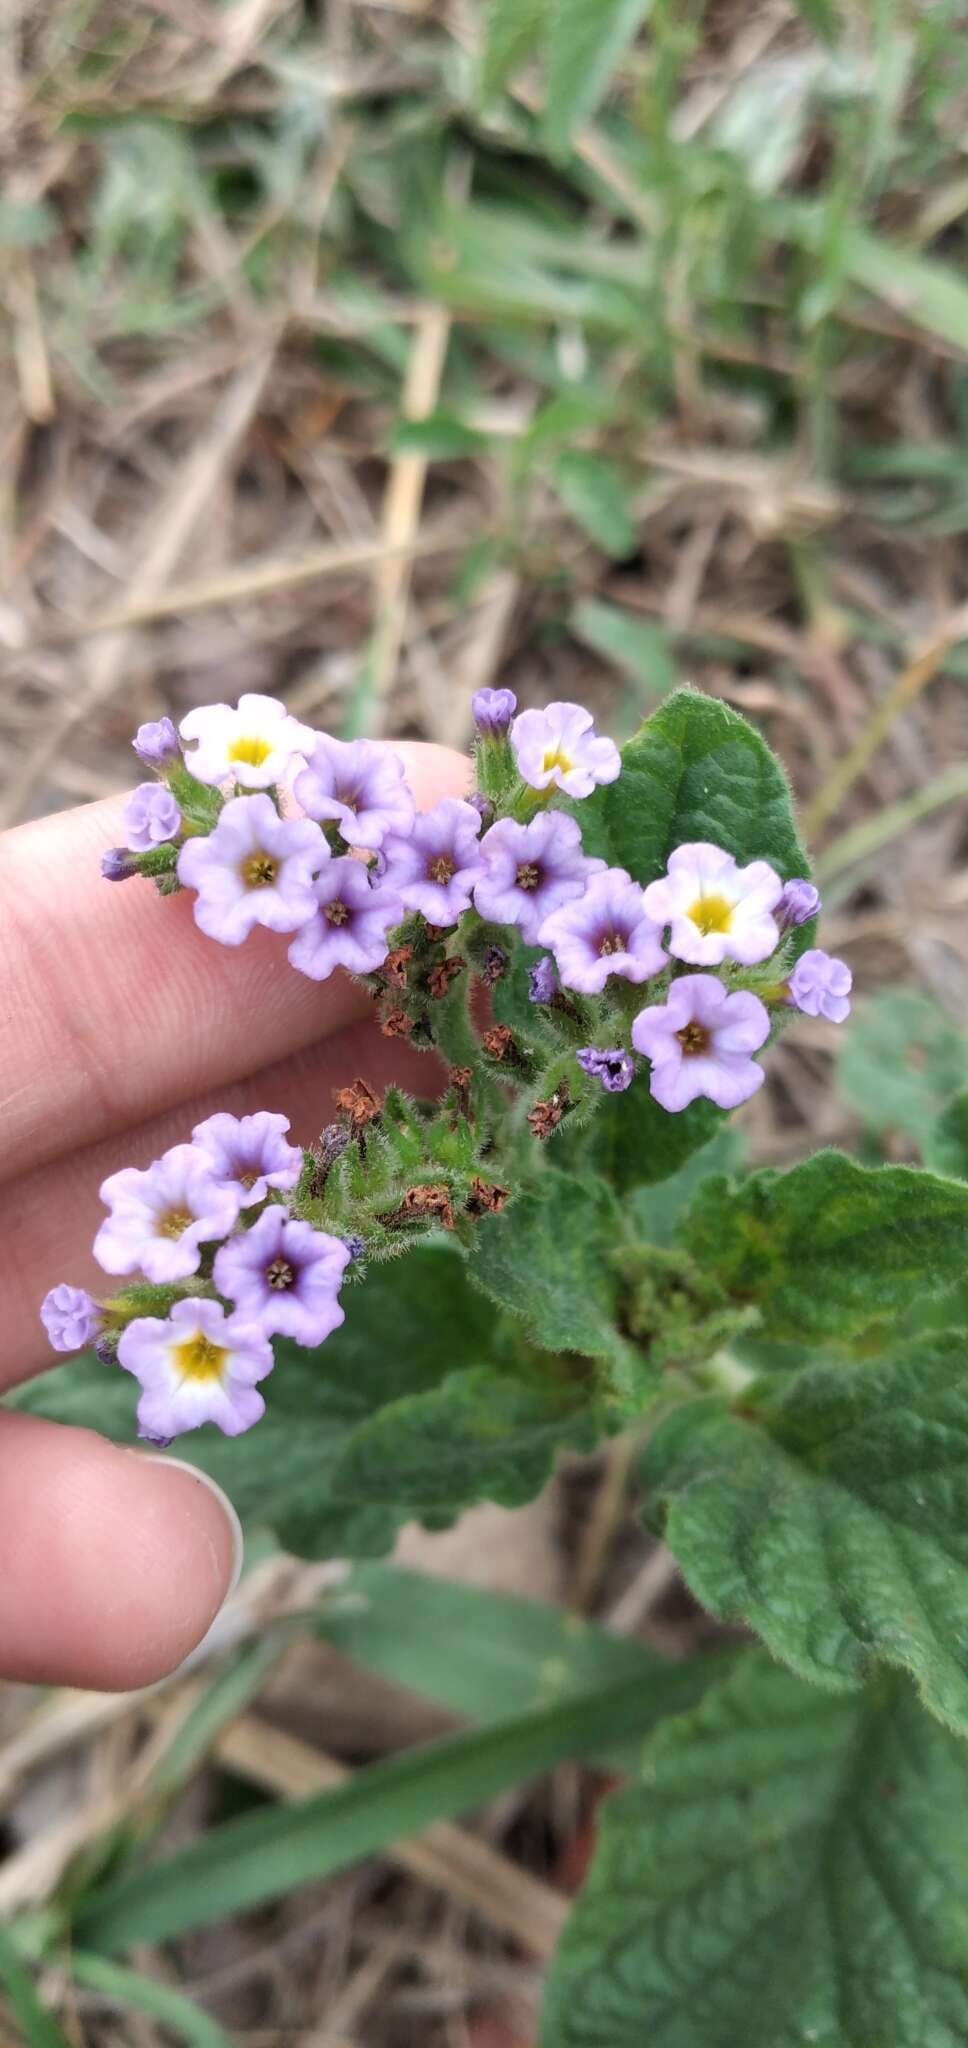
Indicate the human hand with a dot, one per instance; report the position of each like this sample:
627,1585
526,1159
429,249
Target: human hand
120,1027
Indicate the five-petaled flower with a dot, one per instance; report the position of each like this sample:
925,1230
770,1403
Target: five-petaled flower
716,910
71,1317
161,1217
253,742
820,985
435,870
284,1276
606,932
254,868
558,748
530,870
700,1041
156,743
249,1153
196,1365
151,816
351,918
359,786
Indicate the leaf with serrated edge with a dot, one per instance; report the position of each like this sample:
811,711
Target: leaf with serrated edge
545,1258
789,1870
834,1517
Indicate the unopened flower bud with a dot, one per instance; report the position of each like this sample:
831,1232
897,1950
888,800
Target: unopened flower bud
156,743
117,865
799,902
493,711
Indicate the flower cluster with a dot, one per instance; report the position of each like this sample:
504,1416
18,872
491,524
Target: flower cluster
239,1237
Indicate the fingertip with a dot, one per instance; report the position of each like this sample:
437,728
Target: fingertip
433,771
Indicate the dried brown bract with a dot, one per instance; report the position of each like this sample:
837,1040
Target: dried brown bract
546,1116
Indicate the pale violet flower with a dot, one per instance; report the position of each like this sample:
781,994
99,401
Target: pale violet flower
558,748
700,1041
436,868
348,928
249,1153
151,816
254,868
156,743
530,870
606,932
252,742
716,910
799,902
820,985
493,711
161,1217
71,1317
358,784
196,1365
611,1065
285,1277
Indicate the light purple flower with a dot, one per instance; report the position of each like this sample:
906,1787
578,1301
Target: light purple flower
151,816
156,743
285,1276
198,1365
351,918
254,868
360,785
543,981
161,1217
435,870
699,1042
611,1065
558,748
118,865
249,1153
252,742
605,932
717,910
799,902
820,985
493,711
71,1317
531,870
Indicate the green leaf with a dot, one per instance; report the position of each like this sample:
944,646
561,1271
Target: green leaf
40,2029
130,1991
900,1060
947,1146
441,437
833,1516
830,1248
696,770
513,28
266,1854
634,1142
933,295
788,1870
637,646
408,1325
585,43
593,490
481,1435
655,1209
545,1258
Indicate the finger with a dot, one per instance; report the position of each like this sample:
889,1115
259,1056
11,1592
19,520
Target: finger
113,1005
48,1220
114,1563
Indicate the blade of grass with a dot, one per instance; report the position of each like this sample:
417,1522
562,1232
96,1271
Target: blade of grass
40,2029
129,1990
264,1855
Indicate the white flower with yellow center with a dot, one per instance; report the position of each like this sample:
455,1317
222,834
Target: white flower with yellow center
252,742
558,748
198,1365
716,910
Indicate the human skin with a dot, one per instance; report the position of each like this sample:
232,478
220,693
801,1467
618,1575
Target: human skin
115,1562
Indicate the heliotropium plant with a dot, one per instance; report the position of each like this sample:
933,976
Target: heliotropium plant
422,1306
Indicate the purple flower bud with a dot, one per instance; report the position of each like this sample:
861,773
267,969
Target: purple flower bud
355,1246
495,966
543,983
820,986
106,1349
493,711
151,816
333,1140
70,1316
610,1065
484,808
156,743
118,865
799,902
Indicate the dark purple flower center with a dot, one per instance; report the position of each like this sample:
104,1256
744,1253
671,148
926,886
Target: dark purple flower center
528,875
336,912
280,1274
349,795
249,1177
693,1038
613,942
442,868
260,870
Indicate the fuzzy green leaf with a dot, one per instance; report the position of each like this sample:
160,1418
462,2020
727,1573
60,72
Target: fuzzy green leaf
634,1142
545,1257
695,770
788,1870
830,1248
407,1326
947,1146
833,1516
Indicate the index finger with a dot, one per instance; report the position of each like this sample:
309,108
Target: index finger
113,1007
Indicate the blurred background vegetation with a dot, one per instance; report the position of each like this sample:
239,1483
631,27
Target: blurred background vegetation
365,354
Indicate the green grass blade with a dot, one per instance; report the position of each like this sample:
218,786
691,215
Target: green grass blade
39,2028
917,287
129,1990
266,1854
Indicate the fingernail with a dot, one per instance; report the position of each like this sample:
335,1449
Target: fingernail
238,1539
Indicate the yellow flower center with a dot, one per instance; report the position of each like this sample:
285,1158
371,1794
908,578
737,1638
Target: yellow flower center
250,749
174,1222
198,1358
712,914
555,757
259,871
